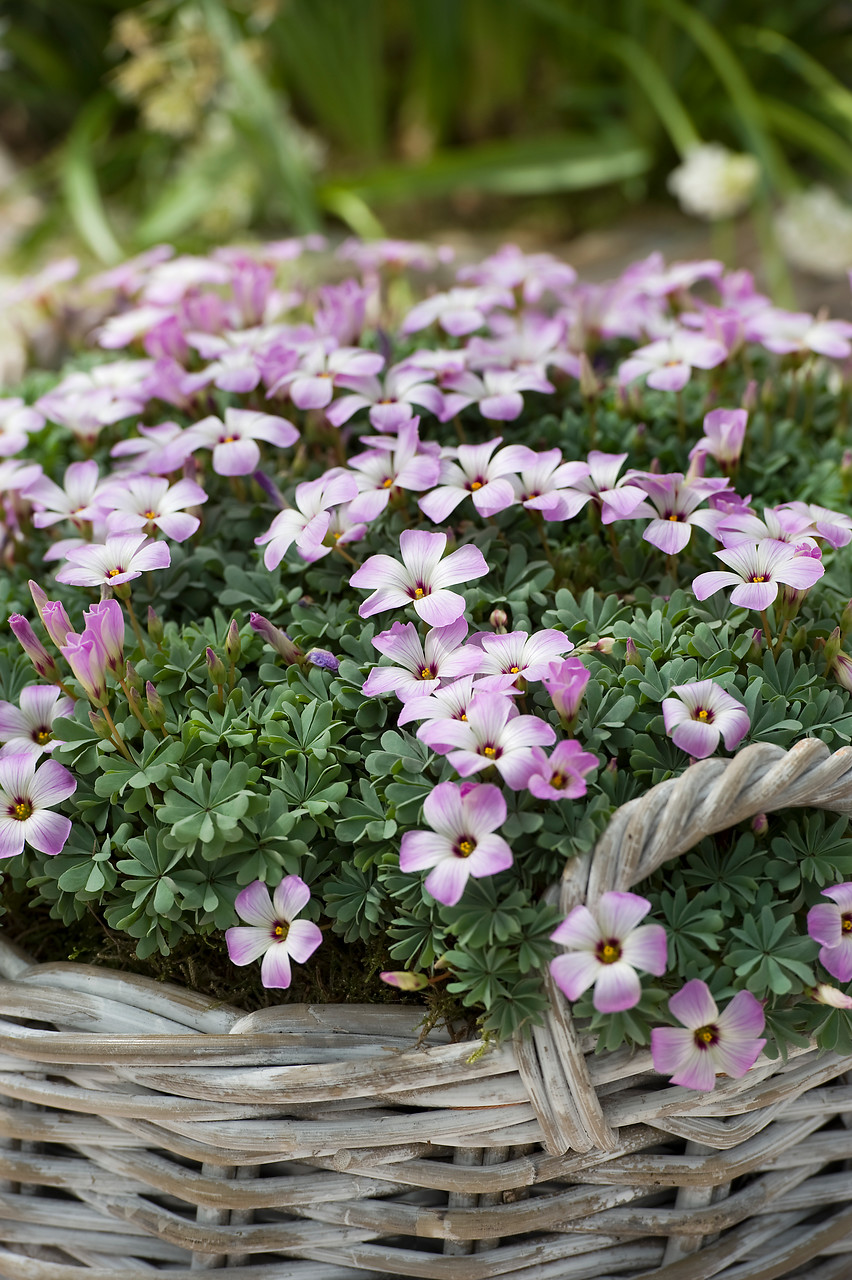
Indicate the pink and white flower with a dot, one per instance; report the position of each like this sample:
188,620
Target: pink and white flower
616,498
272,930
422,664
566,683
459,311
834,526
462,841
26,797
756,571
321,364
421,580
450,703
492,734
307,523
672,505
390,403
562,777
668,362
17,422
724,435
830,924
497,392
606,947
234,441
470,469
148,502
789,332
517,654
708,1042
401,464
80,500
546,483
28,728
700,715
120,559
534,274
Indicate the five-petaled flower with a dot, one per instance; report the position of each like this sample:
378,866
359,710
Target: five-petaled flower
26,796
830,924
756,571
462,841
708,1042
605,947
272,930
421,580
700,715
121,558
28,728
492,734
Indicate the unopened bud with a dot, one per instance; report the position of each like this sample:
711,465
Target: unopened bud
800,639
590,388
233,646
39,597
132,677
841,669
273,635
404,980
631,654
611,765
155,626
825,993
324,659
755,651
833,645
499,620
760,824
134,698
604,644
846,619
99,725
215,667
156,706
749,399
33,647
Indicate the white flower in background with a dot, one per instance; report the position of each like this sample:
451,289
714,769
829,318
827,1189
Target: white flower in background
814,230
714,182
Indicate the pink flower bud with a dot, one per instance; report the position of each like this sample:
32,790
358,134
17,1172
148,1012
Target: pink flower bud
33,647
405,981
233,647
566,683
105,621
88,662
760,824
273,635
499,620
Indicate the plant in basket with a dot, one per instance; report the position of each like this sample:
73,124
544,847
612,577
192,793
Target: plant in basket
477,642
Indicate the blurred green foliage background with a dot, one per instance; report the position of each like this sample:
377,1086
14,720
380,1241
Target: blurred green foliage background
196,120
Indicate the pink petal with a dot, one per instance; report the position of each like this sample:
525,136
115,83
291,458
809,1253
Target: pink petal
290,897
47,831
707,584
155,556
743,1019
671,536
736,1058
50,784
439,608
693,1005
447,881
579,930
696,737
697,1070
440,503
617,988
303,938
619,913
841,894
247,942
460,566
275,970
671,1047
647,949
254,905
838,960
575,972
752,595
421,849
484,808
824,924
236,458
11,837
491,855
179,526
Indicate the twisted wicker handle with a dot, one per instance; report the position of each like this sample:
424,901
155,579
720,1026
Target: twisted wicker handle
672,817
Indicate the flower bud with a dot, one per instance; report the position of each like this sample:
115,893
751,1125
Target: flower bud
841,669
100,725
760,824
33,647
499,620
404,980
155,626
233,646
749,398
273,635
156,707
825,993
105,621
322,658
134,699
604,644
132,678
846,619
87,660
631,654
39,596
755,651
215,667
767,393
833,645
566,683
57,624
799,640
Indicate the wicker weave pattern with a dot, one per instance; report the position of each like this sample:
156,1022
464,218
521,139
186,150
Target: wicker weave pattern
144,1129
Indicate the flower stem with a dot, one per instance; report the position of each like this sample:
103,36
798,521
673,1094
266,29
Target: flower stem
134,622
116,736
767,631
356,564
780,640
138,714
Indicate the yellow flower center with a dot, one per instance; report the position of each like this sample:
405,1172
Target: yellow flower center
475,484
419,593
280,930
462,716
426,673
758,577
674,517
387,482
609,953
846,924
703,715
557,780
705,1037
149,514
465,847
42,736
21,810
113,573
228,439
513,671
491,752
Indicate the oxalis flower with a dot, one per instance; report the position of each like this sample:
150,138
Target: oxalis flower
422,664
272,930
28,728
461,842
26,795
605,948
700,715
493,733
830,923
562,777
420,580
756,571
118,560
708,1042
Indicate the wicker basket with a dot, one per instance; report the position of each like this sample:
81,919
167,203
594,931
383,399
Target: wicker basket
145,1129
